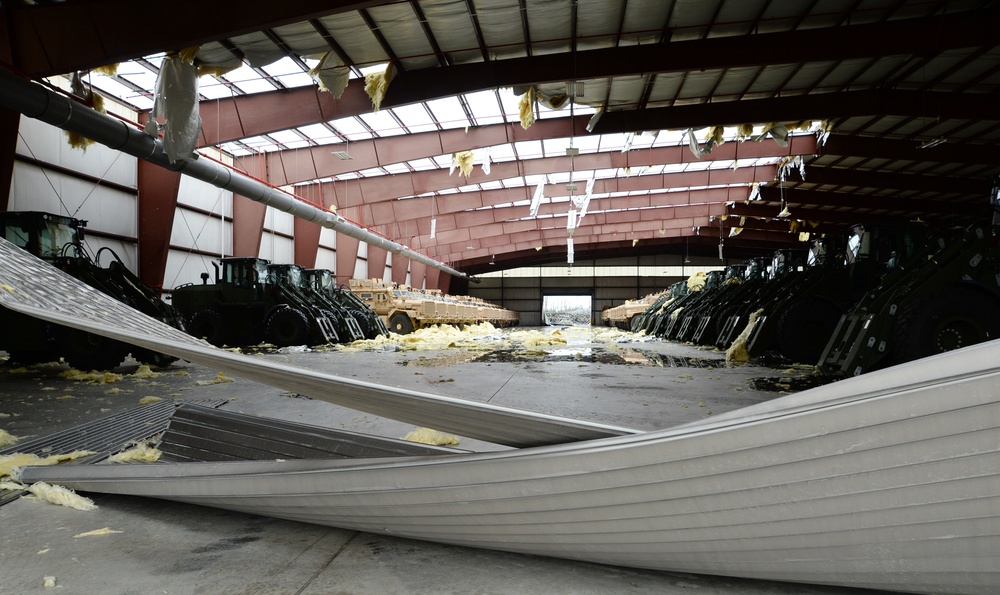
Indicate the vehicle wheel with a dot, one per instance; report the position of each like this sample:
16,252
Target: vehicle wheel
947,320
363,323
401,324
86,351
805,328
208,325
287,327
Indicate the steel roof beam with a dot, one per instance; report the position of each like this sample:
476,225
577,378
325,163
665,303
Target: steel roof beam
60,37
875,202
294,166
841,176
816,106
905,36
352,193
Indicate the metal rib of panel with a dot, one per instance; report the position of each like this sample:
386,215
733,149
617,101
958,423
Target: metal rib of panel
890,489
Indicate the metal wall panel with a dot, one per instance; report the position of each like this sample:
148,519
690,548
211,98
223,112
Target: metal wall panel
201,232
109,210
277,249
205,196
326,258
186,267
40,141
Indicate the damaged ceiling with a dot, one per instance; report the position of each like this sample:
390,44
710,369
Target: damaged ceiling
877,110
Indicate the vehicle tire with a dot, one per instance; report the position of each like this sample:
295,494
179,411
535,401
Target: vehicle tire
950,319
287,327
86,351
805,328
363,323
208,325
401,324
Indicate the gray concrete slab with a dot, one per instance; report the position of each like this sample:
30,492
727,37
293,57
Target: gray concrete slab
166,547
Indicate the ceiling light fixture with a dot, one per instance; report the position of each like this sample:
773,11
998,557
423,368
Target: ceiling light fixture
930,144
343,155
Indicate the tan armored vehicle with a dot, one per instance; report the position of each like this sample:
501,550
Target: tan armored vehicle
621,316
404,308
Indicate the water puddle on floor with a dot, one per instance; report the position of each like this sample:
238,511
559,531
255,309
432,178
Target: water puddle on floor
583,355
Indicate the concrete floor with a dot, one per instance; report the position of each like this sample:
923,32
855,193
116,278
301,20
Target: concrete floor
165,547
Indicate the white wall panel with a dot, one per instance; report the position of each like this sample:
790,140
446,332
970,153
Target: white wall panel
205,196
326,259
49,144
109,210
184,267
360,268
328,238
362,250
279,221
277,249
201,232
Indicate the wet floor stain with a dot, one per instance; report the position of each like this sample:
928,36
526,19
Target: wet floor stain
789,384
582,355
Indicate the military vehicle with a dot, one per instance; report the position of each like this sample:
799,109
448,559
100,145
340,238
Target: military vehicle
248,304
944,297
324,282
405,309
58,240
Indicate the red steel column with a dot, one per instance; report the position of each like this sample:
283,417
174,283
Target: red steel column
417,272
376,262
157,197
347,256
433,277
400,266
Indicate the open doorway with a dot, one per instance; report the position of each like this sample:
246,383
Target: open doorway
567,310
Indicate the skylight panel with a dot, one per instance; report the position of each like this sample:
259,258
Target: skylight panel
504,152
528,149
423,164
448,112
484,107
415,117
352,128
397,168
319,133
213,89
382,123
285,136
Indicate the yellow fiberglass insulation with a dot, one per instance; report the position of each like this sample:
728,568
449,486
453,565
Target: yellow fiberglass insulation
62,496
463,161
6,439
676,313
140,453
538,339
526,107
331,75
92,376
377,83
438,336
429,436
150,400
696,282
218,379
144,371
8,462
737,352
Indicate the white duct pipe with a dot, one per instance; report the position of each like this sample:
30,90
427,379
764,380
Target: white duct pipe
35,101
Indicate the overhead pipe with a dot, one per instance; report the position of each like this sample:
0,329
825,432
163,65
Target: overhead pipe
38,102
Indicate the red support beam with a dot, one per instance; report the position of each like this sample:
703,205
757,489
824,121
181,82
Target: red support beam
376,262
347,257
248,226
307,233
157,198
400,267
418,271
